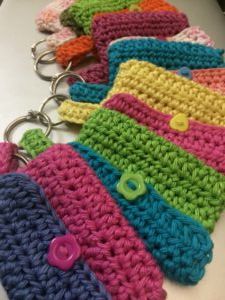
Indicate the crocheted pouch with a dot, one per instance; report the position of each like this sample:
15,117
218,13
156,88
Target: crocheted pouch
109,27
27,229
188,246
98,73
48,18
156,87
184,181
108,243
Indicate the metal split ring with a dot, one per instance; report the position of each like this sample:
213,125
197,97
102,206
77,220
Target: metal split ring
58,78
38,62
31,116
58,98
35,55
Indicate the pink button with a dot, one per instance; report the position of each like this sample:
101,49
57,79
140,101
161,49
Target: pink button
63,252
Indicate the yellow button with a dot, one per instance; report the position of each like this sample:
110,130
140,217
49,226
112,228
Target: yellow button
134,7
179,122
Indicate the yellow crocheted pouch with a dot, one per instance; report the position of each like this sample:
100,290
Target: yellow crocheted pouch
161,90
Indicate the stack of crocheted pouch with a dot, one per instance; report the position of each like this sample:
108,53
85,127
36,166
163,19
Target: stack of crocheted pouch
102,36
161,53
159,89
181,246
213,78
28,230
80,16
204,141
184,181
108,243
106,28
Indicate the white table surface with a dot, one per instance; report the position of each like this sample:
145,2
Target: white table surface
21,90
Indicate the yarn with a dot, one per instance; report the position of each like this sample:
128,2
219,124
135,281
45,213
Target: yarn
8,161
202,140
81,13
108,244
211,78
184,181
65,53
27,226
181,246
109,27
193,34
34,142
48,18
77,113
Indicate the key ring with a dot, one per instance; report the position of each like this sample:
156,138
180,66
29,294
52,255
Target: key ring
23,157
58,78
59,98
31,116
38,62
34,53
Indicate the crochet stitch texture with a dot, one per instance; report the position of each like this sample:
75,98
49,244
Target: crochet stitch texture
169,93
34,142
184,181
8,162
48,18
27,226
181,246
202,140
108,243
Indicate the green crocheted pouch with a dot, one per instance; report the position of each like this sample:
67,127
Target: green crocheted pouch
183,180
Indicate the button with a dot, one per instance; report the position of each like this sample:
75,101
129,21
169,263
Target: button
185,72
135,7
131,185
179,122
63,252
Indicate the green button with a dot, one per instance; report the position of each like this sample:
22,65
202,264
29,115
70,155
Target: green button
136,180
